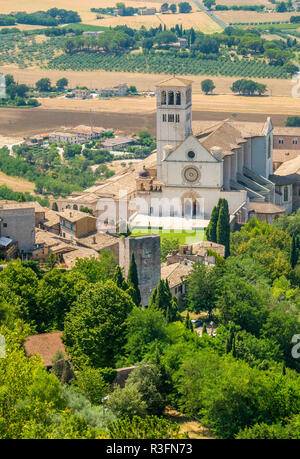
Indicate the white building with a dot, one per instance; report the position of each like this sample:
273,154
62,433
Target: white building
228,160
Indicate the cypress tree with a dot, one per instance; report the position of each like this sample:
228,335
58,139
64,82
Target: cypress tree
204,329
211,231
22,198
118,277
294,252
187,323
134,280
223,228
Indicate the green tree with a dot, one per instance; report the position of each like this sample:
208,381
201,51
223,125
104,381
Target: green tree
62,83
294,253
133,280
211,230
207,86
43,85
223,228
96,326
126,402
90,382
202,288
146,327
146,378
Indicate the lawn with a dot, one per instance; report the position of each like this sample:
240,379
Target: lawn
184,237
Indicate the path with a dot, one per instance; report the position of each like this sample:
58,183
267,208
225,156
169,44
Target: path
210,14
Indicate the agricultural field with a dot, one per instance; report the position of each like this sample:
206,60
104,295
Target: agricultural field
245,2
142,81
232,17
217,102
167,64
16,183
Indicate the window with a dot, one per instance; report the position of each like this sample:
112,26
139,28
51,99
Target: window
171,118
171,98
269,147
178,98
163,98
4,225
295,142
280,141
177,118
164,117
191,154
286,194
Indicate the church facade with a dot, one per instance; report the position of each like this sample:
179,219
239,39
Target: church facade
228,160
190,171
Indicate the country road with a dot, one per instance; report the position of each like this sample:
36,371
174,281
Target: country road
210,14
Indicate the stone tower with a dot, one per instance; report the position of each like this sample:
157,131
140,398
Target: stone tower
146,251
174,115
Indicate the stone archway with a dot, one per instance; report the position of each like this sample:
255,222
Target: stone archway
190,204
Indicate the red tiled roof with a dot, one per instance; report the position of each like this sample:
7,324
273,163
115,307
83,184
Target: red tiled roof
46,345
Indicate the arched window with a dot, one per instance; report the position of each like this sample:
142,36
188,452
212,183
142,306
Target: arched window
187,208
178,98
171,98
163,98
75,207
286,194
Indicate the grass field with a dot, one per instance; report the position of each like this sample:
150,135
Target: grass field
143,81
16,184
143,105
184,237
252,16
199,21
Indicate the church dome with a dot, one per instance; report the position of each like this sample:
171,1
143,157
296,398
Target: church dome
144,173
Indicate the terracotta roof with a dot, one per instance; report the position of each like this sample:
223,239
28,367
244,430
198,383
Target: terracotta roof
289,167
22,205
51,218
80,252
175,273
175,81
125,180
224,136
280,130
218,248
280,156
74,215
266,208
44,237
46,345
98,241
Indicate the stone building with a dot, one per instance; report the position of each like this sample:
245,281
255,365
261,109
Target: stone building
146,250
190,171
17,223
74,224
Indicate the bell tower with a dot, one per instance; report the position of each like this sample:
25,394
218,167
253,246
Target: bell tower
174,115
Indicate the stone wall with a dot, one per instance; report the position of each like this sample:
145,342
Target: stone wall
146,251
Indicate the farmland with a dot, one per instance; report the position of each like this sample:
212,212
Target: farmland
16,183
199,21
232,17
168,64
142,81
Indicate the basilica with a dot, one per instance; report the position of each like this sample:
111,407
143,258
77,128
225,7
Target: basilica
190,171
228,159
